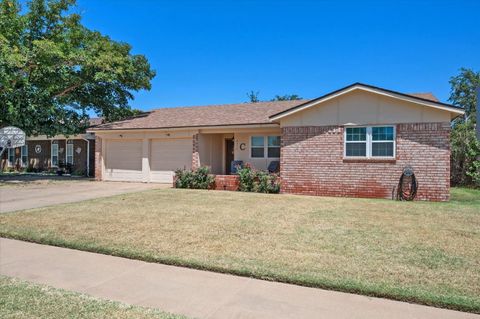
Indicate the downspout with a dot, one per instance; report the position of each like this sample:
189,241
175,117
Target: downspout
88,155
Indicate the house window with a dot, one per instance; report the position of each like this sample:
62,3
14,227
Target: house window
262,146
370,141
11,156
70,152
24,152
257,147
273,147
54,156
382,141
356,141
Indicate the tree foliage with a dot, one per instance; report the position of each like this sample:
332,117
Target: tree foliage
465,148
463,92
465,156
53,70
287,97
253,96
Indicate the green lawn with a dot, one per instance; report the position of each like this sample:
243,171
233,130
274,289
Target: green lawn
415,251
20,299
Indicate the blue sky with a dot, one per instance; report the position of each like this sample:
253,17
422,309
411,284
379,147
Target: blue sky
213,52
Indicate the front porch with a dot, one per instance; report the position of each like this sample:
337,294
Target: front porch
218,149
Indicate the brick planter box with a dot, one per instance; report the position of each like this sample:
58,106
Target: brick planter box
227,182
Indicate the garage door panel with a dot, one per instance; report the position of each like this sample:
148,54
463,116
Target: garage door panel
124,160
167,155
162,176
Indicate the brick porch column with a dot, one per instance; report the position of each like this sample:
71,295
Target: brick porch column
195,154
98,158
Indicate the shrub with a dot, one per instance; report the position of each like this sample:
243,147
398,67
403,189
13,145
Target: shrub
183,178
247,178
267,183
79,172
69,168
465,155
197,179
258,181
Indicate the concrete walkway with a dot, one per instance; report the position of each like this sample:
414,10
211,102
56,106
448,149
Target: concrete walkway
194,293
14,198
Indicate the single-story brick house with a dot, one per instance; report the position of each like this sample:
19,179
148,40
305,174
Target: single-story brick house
42,153
351,142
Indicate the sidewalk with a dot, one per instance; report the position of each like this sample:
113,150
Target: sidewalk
193,293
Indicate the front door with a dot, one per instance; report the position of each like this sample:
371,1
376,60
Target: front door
229,146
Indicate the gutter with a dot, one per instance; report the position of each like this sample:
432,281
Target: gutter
187,128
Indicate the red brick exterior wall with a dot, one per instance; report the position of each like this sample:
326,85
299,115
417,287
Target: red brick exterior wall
41,161
312,163
98,158
227,182
195,153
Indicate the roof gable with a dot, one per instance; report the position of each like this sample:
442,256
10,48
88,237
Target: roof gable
261,113
425,99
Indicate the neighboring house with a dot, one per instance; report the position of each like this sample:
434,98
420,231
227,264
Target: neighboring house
352,142
41,153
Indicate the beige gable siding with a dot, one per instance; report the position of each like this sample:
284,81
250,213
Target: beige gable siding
360,107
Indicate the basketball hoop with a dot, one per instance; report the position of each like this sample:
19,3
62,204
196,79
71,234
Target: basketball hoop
11,137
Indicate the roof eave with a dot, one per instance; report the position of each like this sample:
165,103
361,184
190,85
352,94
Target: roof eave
186,128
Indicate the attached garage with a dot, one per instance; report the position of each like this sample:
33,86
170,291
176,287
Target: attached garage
123,160
167,155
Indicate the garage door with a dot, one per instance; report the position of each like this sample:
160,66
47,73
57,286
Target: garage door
123,160
166,156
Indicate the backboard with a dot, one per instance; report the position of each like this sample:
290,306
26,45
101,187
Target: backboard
11,137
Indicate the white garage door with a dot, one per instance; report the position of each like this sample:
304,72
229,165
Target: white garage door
166,156
123,160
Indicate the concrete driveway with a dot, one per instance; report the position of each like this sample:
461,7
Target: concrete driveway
39,194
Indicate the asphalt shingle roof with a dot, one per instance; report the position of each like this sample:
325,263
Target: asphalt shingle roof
212,115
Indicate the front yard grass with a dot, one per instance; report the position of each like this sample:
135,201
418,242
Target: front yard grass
412,251
20,299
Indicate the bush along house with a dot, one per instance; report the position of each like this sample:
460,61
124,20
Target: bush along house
355,141
72,155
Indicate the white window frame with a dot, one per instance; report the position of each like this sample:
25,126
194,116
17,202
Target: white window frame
252,147
10,153
265,146
69,146
24,152
279,146
369,141
51,155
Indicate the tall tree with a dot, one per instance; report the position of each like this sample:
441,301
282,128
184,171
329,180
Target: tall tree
286,97
463,92
253,96
53,70
465,148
